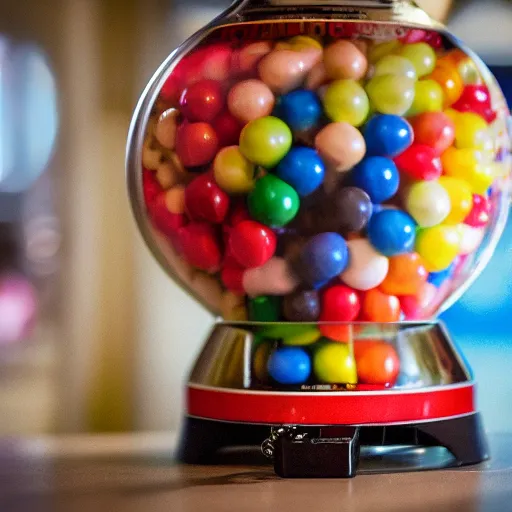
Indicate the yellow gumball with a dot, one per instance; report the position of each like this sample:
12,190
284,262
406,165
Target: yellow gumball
382,49
428,97
438,246
471,165
233,172
334,364
461,199
471,131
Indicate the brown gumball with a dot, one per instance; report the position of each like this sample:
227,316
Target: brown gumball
302,306
285,70
343,59
341,145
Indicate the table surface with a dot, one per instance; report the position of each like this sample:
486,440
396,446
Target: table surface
137,473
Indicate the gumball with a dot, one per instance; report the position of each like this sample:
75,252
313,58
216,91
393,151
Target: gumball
252,244
478,217
350,210
461,199
205,200
406,275
200,246
316,77
377,176
273,202
196,144
434,129
421,55
175,199
165,221
420,162
340,304
245,61
285,70
471,166
216,61
303,169
391,94
439,278
377,362
302,306
260,361
265,309
300,43
233,172
150,187
289,365
428,202
323,258
420,306
273,278
232,278
301,335
395,65
438,246
450,81
228,129
428,97
471,131
380,50
333,363
265,141
238,213
367,268
387,135
380,307
346,101
301,110
166,128
341,146
392,232
343,59
202,101
470,238
250,100
477,99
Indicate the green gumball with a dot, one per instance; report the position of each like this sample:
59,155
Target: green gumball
266,141
273,202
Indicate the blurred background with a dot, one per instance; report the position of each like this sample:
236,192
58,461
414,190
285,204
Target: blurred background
93,336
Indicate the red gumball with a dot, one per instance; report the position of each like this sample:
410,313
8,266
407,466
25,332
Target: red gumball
228,129
339,304
166,222
202,101
420,162
419,306
476,98
205,200
479,215
232,278
377,362
150,187
252,244
196,144
200,246
238,213
414,35
434,129
216,63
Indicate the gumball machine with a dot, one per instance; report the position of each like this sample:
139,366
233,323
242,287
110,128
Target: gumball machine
325,178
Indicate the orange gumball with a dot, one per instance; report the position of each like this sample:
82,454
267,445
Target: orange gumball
448,77
342,333
406,275
380,307
377,362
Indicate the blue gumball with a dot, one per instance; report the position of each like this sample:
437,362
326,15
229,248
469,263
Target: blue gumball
387,135
438,278
378,177
301,110
303,169
289,365
324,257
392,232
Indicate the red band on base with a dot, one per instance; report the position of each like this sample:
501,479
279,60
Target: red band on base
348,408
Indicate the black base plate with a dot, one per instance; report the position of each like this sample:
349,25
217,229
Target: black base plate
327,453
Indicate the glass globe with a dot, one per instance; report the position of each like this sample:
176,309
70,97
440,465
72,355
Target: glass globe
285,168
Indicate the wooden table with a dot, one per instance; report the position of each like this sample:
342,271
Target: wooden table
137,474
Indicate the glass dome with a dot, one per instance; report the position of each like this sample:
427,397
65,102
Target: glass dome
286,170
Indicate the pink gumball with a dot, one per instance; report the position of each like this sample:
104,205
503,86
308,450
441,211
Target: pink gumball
245,61
273,278
250,100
